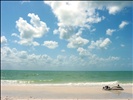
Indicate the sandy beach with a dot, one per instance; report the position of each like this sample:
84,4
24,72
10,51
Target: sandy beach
42,92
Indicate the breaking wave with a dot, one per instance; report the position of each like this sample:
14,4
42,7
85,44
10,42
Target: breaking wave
20,82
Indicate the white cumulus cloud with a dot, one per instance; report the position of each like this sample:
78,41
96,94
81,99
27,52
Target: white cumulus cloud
50,44
28,31
95,19
15,34
123,24
72,15
66,32
101,43
110,31
95,44
3,40
76,41
115,7
105,43
83,52
35,43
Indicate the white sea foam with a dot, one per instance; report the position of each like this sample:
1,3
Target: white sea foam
17,82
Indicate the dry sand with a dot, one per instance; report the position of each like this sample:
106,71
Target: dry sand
28,92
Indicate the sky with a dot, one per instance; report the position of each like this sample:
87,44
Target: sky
66,35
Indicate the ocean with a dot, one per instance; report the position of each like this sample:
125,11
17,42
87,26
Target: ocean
66,77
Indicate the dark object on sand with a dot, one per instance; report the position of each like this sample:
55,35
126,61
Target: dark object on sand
113,88
106,88
117,88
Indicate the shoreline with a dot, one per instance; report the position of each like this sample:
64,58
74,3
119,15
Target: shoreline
42,92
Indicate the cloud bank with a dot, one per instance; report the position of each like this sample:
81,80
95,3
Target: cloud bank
23,60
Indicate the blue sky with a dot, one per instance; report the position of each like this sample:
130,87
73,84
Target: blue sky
62,35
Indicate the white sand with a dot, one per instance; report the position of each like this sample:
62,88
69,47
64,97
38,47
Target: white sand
21,92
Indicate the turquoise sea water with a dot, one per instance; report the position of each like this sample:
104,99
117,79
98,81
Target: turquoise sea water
66,77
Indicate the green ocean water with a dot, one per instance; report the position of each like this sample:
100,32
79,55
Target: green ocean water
66,77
